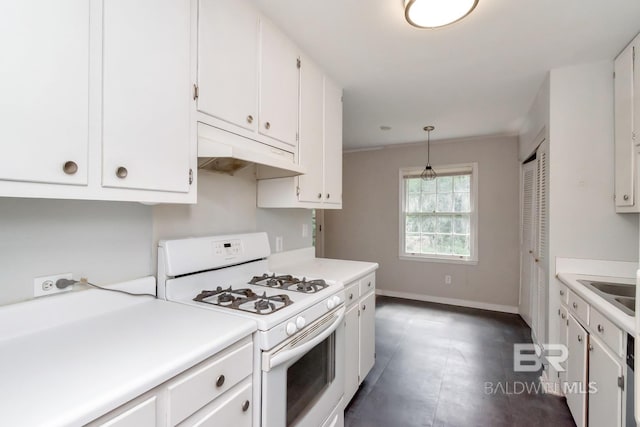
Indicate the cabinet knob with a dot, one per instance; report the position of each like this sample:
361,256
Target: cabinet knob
267,125
625,197
122,172
530,252
328,195
579,338
369,284
563,316
350,296
575,305
590,347
561,292
70,167
245,406
364,307
319,195
600,328
220,381
249,118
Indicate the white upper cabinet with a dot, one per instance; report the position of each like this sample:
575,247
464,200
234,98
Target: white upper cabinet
44,91
332,143
146,87
279,79
228,61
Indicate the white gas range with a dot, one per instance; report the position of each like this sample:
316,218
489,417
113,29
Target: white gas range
299,351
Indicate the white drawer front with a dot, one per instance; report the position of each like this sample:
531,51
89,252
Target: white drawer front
200,385
579,307
368,284
234,409
141,415
352,293
606,331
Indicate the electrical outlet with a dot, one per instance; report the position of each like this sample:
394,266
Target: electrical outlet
447,279
279,244
46,285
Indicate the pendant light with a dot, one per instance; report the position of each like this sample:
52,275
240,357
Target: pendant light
428,174
436,13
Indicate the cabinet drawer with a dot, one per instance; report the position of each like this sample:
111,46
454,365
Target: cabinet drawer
368,283
352,293
142,414
201,384
606,331
563,293
232,409
579,307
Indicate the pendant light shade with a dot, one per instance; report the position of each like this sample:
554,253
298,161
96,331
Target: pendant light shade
428,174
436,13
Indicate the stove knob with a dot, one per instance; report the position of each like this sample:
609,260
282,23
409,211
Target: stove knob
300,322
291,328
331,303
336,300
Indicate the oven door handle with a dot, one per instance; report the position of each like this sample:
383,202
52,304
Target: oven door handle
280,358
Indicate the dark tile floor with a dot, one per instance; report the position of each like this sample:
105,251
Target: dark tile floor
433,363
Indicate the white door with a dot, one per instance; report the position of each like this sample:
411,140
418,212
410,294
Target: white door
367,334
279,78
228,61
605,405
310,150
147,92
352,353
577,372
332,142
44,90
527,239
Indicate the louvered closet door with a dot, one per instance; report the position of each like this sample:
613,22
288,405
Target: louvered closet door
542,233
526,238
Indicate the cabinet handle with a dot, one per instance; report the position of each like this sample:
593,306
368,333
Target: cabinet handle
350,296
561,292
245,406
563,316
220,381
249,118
319,195
625,197
590,347
579,338
575,305
600,328
70,167
530,252
122,172
328,195
369,284
536,260
364,307
267,125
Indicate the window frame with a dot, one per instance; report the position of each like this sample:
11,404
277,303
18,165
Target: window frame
472,259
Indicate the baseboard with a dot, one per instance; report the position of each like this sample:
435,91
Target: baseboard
450,301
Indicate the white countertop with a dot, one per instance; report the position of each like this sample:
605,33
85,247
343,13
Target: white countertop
304,263
617,316
76,369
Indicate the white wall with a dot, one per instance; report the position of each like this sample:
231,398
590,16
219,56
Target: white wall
104,241
366,228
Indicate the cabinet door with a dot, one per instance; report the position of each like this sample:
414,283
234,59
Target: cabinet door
228,61
352,353
605,404
141,415
332,142
311,151
147,94
624,113
44,90
278,85
563,333
367,334
577,372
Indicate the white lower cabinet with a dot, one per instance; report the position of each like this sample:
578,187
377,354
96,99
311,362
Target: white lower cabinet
577,372
605,374
217,391
359,333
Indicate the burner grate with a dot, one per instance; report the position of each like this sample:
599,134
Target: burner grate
289,283
244,300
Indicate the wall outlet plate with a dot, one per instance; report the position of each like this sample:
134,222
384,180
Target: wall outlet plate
279,243
46,285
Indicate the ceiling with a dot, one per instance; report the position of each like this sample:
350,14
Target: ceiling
476,77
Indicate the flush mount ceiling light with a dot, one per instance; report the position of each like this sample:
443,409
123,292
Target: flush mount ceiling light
436,13
428,173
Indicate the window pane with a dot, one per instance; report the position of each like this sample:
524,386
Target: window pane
461,202
461,224
461,245
445,184
413,202
428,244
444,224
429,186
443,243
413,184
413,224
428,203
429,224
462,183
412,244
445,202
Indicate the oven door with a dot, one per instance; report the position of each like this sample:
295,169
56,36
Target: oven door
303,378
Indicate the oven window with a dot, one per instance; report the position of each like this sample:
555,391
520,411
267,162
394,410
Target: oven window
309,376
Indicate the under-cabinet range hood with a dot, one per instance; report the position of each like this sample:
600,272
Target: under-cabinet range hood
226,152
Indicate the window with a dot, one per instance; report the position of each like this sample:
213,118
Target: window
438,218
